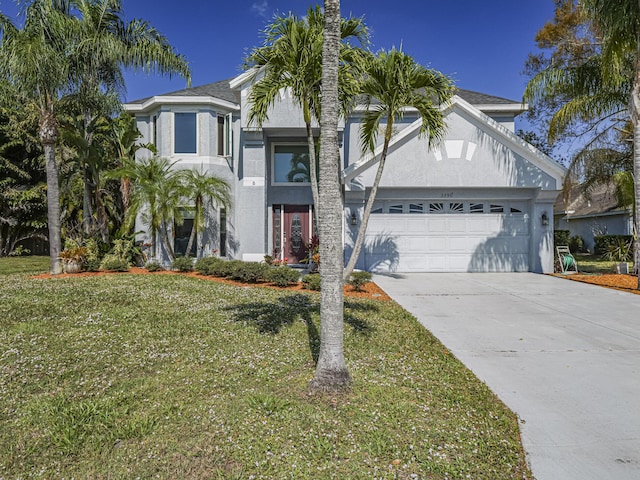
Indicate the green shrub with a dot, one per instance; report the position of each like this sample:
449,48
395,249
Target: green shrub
561,237
154,267
604,242
311,281
282,276
359,279
249,272
576,244
113,263
223,268
183,264
620,250
208,265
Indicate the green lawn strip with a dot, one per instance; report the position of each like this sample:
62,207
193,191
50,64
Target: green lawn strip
29,264
140,376
588,263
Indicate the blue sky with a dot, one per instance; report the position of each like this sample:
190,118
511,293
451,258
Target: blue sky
482,45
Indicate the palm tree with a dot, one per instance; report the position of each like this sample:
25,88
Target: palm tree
618,22
393,83
124,137
33,59
103,44
203,190
291,58
331,371
156,196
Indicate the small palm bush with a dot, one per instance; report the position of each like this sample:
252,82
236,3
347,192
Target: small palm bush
311,281
282,276
154,267
359,280
183,264
113,263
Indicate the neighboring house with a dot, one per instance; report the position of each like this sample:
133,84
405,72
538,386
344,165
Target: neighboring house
481,201
592,215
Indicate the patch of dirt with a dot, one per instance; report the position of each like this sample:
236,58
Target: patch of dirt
370,290
627,283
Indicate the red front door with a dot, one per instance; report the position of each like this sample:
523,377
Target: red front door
291,232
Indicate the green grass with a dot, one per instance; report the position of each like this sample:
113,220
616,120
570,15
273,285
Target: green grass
589,263
30,264
169,376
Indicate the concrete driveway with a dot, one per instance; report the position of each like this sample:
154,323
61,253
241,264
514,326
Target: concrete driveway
564,356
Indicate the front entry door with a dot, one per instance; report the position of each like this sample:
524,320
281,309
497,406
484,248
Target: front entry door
291,232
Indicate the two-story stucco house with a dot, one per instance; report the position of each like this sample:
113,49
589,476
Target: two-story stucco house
482,201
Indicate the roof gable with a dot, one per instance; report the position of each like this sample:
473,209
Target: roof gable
521,164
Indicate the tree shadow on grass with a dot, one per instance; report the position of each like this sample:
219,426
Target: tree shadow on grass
271,317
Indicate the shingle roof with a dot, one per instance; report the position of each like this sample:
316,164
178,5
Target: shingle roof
602,199
477,98
222,91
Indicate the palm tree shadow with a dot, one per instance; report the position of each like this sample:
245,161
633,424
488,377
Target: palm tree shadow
269,318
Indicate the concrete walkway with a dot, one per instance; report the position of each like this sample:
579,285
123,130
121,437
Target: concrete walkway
564,356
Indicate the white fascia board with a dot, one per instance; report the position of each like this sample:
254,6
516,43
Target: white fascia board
245,77
179,100
515,108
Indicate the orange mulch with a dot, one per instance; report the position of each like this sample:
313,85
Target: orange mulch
370,290
627,283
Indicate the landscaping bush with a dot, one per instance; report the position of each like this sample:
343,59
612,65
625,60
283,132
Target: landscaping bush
561,237
183,264
604,242
620,250
154,267
311,281
207,265
113,263
223,268
282,276
576,244
249,272
359,279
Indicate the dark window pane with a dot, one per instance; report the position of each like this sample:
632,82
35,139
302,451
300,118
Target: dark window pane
291,164
221,136
185,132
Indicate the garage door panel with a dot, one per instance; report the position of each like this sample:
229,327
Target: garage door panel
448,242
437,225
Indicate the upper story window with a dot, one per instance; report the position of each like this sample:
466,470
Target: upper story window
185,132
223,136
291,164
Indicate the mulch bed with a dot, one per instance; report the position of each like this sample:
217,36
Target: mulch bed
370,290
626,283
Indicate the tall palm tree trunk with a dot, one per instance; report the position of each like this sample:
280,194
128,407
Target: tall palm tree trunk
48,135
331,371
362,230
635,116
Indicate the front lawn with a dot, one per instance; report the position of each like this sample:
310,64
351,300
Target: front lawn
170,376
590,263
28,264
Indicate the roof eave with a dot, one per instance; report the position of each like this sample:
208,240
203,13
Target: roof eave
152,102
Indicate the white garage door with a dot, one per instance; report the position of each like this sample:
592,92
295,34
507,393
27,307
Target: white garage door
423,236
